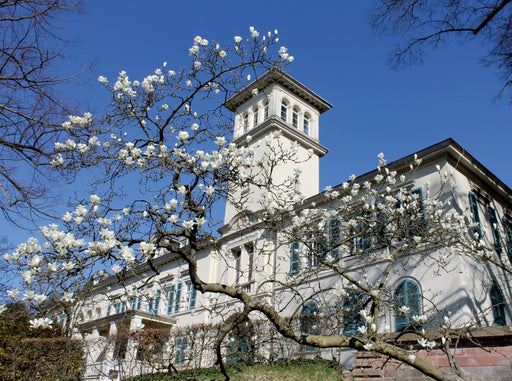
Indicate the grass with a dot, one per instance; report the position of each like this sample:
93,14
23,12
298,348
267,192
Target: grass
283,370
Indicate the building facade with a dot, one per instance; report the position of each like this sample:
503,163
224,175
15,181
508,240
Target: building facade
321,276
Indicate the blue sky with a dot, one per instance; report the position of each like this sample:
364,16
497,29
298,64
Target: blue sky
336,54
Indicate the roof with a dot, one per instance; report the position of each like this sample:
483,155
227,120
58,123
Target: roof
462,160
272,76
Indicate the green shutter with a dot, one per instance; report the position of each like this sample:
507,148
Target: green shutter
493,219
193,294
334,237
177,301
473,203
170,300
294,258
507,227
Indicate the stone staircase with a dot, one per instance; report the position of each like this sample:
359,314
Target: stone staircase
368,366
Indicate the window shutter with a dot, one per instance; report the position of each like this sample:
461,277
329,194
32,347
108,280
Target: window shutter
295,258
507,227
493,219
177,301
193,294
170,300
473,203
334,237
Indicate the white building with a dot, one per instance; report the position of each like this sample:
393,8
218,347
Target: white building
265,262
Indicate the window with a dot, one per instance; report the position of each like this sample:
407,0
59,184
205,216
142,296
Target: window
255,116
245,122
306,124
309,320
493,219
108,309
237,254
407,304
507,227
364,239
265,110
136,301
181,347
154,303
294,258
171,299
174,298
497,305
120,307
473,204
191,296
353,304
250,254
316,249
284,110
295,117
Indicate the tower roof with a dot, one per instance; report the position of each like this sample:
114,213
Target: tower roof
272,76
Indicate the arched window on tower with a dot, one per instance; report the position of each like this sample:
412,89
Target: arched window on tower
245,122
306,123
255,112
295,117
284,110
497,305
407,305
265,109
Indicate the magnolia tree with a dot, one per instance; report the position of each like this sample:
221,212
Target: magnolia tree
162,163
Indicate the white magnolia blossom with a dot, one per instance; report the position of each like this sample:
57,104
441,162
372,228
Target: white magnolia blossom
68,298
116,269
13,293
404,309
147,248
126,253
41,323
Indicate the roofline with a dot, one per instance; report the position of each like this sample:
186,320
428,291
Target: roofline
276,75
454,151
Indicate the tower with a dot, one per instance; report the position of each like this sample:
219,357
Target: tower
278,102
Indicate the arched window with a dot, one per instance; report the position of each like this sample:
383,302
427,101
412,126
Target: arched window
295,117
255,116
245,122
265,109
353,304
309,320
284,110
407,305
498,306
306,124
